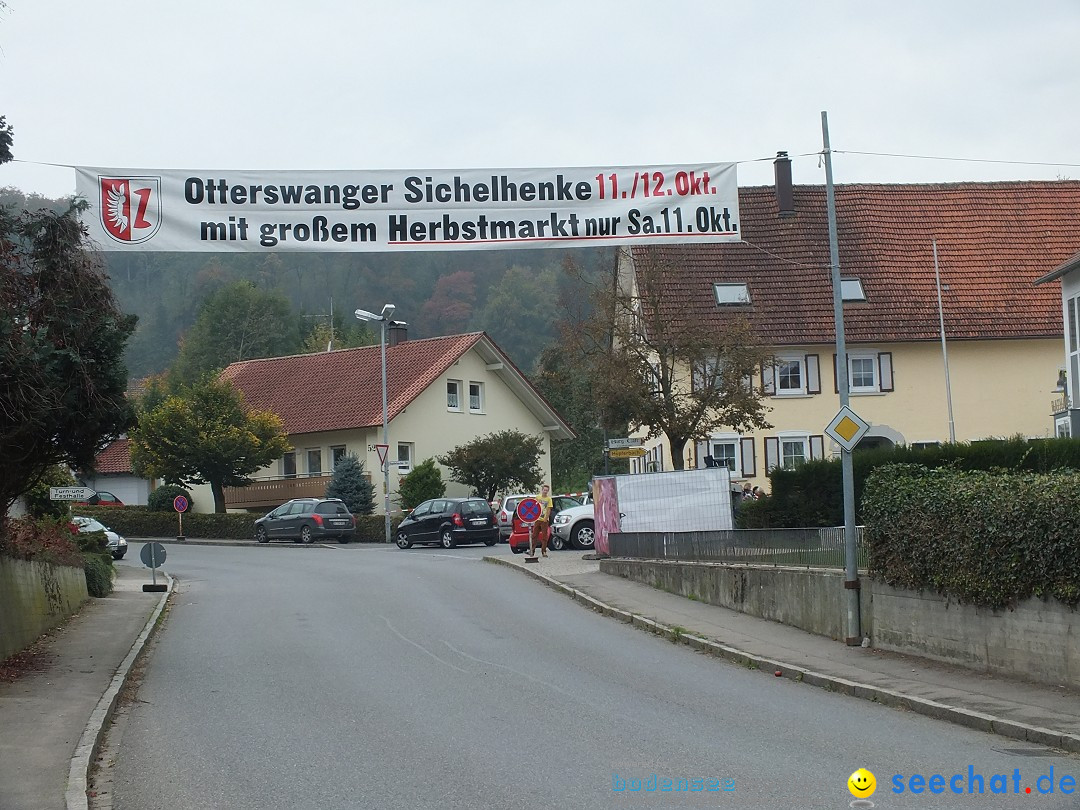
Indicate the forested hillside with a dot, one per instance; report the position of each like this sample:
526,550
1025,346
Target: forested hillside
512,295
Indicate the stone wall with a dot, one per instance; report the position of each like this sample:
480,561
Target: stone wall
35,597
1036,641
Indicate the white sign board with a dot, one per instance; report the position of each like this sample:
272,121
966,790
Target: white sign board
393,211
613,443
70,493
675,501
847,428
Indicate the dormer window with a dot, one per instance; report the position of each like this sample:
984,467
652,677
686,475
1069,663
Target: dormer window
728,294
851,289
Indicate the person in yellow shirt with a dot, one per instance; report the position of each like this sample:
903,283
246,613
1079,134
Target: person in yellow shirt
538,532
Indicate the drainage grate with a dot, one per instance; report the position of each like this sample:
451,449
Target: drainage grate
1028,752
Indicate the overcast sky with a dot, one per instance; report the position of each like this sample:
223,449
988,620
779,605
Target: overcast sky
415,84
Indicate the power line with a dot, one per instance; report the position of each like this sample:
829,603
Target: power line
956,159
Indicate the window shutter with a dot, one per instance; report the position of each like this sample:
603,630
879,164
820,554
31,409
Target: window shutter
885,366
772,453
749,463
817,447
813,374
835,375
768,380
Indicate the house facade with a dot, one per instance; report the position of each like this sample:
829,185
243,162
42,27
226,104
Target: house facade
112,473
441,393
1002,334
1065,413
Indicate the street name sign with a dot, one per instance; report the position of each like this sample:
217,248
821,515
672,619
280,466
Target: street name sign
613,443
627,452
847,428
70,493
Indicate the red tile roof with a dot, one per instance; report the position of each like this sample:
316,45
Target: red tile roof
116,458
994,240
341,390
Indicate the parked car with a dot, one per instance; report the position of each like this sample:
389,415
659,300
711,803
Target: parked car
575,526
508,508
117,545
305,520
449,522
100,498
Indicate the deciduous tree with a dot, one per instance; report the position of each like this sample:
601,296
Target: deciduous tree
62,338
505,461
203,434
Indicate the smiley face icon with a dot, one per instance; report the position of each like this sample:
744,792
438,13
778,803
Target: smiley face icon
862,784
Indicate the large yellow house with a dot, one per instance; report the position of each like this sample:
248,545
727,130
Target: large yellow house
1002,334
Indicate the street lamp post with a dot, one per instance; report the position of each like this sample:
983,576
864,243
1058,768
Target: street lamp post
384,319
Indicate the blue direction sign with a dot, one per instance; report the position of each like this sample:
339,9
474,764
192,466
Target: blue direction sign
529,510
180,503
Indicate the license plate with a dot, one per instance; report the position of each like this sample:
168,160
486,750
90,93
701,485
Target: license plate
339,523
479,521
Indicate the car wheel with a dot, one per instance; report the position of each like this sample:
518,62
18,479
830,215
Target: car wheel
517,549
403,540
260,535
584,536
305,536
446,540
489,543
556,542
343,539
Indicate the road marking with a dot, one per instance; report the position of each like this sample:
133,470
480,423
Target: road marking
517,672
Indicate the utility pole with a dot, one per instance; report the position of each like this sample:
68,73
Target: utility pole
851,575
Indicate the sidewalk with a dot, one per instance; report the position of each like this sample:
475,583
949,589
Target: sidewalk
1037,714
53,714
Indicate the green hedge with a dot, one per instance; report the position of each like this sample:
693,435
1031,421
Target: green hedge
99,571
812,495
138,521
985,538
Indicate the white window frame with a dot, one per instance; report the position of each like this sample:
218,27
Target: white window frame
723,439
404,465
802,438
800,360
453,395
875,371
1072,348
479,408
851,289
307,461
731,294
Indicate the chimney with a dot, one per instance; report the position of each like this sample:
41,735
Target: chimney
785,197
396,332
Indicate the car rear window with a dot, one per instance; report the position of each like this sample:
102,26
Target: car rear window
332,509
473,508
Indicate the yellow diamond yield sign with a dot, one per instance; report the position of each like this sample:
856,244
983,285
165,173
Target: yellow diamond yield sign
847,428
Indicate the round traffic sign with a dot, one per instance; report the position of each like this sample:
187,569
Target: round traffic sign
152,555
529,510
180,503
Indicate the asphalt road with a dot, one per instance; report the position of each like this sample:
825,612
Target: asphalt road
361,677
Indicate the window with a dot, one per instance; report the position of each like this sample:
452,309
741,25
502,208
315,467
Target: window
476,397
288,465
1072,374
336,455
453,395
924,445
789,377
1063,428
727,294
793,453
851,289
404,457
314,462
725,455
793,375
869,372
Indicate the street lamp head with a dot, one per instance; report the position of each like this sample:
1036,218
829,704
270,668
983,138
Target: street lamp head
364,315
388,311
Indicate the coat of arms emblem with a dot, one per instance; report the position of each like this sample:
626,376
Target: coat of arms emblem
130,207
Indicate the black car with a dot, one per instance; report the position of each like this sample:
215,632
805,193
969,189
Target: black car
449,522
304,520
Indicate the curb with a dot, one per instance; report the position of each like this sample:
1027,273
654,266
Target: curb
887,697
78,772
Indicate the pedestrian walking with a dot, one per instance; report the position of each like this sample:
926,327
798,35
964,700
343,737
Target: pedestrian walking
538,532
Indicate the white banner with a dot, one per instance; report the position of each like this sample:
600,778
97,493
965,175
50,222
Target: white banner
388,210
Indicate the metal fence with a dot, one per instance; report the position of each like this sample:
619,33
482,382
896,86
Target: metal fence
809,548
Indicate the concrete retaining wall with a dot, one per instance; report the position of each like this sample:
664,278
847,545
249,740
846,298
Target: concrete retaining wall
1036,641
35,597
